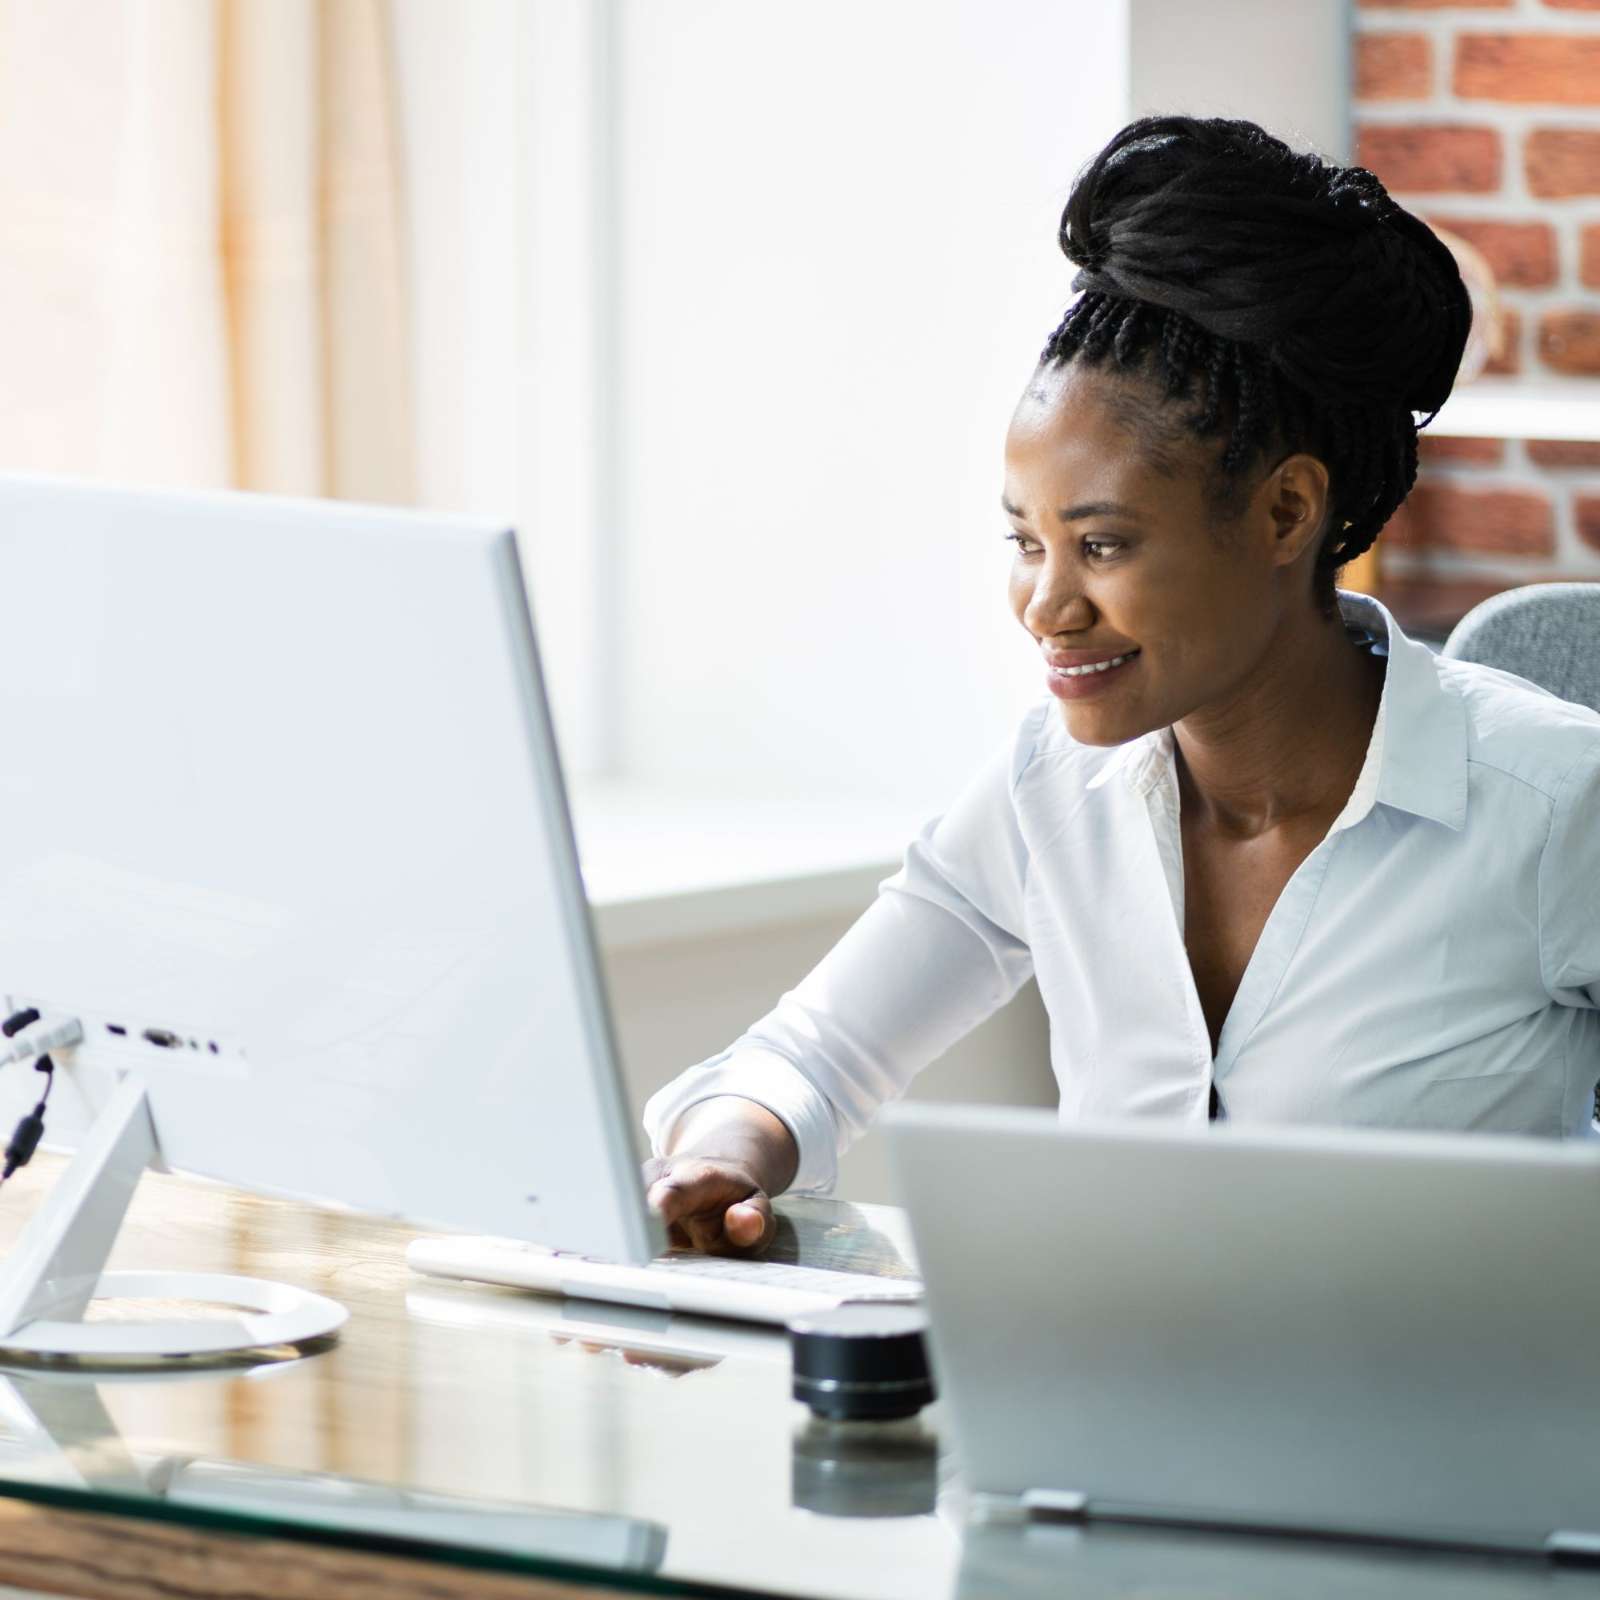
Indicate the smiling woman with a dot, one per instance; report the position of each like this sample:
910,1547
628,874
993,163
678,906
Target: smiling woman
1234,840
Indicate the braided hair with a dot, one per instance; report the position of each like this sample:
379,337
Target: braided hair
1311,312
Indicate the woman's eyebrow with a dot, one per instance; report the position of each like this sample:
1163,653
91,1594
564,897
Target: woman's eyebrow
1090,508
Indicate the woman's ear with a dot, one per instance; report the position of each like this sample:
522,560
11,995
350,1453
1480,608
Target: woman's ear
1298,506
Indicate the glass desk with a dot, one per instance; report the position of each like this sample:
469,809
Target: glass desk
470,1441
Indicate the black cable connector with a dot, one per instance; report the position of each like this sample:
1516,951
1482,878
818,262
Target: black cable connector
17,1021
25,1140
30,1130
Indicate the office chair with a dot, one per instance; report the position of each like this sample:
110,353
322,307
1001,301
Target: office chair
1548,633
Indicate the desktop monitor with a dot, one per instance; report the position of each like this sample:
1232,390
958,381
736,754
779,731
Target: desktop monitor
284,827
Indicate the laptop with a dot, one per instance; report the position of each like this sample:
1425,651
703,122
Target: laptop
1362,1332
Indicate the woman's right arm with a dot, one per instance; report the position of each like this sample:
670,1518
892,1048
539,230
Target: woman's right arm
937,951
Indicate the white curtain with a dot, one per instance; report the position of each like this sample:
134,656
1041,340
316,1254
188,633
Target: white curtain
203,281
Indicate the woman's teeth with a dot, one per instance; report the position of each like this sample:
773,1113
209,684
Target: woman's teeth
1097,666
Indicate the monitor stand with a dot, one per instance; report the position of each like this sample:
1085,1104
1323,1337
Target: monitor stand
55,1269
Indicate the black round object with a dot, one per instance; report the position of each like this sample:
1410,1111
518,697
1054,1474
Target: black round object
862,1362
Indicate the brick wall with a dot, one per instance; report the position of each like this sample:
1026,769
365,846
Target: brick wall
1483,116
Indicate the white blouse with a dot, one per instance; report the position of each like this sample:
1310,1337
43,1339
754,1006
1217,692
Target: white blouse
1433,963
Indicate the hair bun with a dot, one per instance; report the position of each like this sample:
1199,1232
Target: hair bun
1349,295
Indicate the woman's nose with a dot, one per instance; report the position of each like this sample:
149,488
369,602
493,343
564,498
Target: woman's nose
1058,603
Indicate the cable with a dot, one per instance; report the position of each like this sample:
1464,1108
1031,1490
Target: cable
31,1129
29,1042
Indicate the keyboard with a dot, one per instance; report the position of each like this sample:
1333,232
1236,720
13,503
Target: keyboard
681,1280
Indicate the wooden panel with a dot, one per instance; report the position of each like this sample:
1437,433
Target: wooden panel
95,1557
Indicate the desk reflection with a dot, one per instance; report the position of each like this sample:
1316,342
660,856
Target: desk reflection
57,1431
841,1237
641,1336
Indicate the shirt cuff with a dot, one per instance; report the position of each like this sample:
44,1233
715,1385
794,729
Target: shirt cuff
770,1080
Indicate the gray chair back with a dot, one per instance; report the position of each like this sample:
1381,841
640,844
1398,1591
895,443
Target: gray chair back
1548,633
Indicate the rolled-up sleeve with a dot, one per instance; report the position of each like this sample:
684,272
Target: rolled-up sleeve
1569,888
940,948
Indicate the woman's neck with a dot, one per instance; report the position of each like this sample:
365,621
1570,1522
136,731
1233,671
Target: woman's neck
1291,743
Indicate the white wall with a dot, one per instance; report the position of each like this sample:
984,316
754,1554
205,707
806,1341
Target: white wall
1284,65
836,267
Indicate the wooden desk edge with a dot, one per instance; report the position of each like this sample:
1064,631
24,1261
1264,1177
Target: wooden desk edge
95,1555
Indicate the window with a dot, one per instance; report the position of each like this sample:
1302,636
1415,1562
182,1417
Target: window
824,261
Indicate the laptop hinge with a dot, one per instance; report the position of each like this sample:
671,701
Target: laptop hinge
1055,1504
1565,1545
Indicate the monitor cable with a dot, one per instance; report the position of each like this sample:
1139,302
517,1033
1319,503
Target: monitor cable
24,1043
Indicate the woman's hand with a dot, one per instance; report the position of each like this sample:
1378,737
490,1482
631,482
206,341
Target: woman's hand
711,1205
728,1156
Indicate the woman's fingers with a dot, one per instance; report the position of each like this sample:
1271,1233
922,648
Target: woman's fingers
705,1230
711,1206
748,1224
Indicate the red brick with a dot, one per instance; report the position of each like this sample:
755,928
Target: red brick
1398,532
1448,516
1394,66
1435,450
1435,605
1562,161
1556,68
1432,157
1586,514
1509,361
1521,253
1589,256
1569,341
1573,5
1564,452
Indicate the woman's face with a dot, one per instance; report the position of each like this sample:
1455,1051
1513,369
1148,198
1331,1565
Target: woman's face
1120,563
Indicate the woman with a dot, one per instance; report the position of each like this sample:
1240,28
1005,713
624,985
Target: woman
1268,858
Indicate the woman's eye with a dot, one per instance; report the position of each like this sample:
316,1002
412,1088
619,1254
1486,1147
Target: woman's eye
1093,549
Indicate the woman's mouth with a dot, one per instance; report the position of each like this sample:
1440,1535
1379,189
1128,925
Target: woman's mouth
1089,677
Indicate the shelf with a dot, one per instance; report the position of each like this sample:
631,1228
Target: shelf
660,865
1520,408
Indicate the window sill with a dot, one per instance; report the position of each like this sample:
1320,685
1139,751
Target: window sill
1520,408
661,865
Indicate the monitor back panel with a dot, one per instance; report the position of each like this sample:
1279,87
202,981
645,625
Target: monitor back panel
278,780
1366,1332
